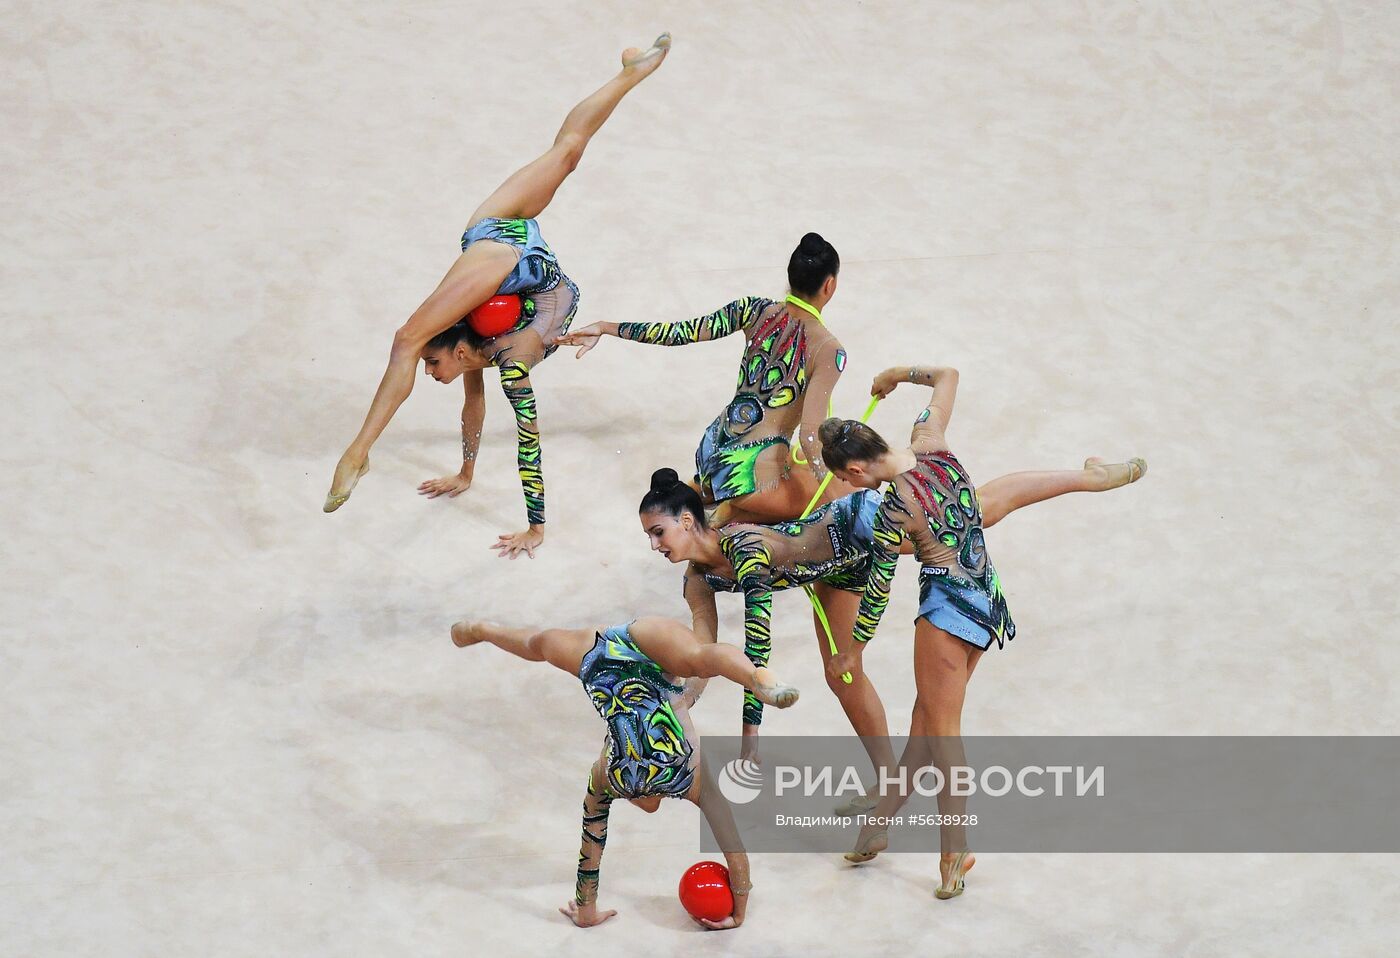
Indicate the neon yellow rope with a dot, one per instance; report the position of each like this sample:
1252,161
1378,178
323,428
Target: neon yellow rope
811,592
865,417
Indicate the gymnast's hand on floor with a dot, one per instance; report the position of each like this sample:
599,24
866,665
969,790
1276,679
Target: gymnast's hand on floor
512,544
586,916
450,486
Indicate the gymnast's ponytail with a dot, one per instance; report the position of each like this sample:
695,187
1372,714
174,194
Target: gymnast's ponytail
671,496
812,262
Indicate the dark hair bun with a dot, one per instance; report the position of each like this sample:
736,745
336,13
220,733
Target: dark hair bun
811,263
673,497
830,430
663,480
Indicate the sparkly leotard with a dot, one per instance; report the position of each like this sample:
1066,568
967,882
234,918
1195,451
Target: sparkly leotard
549,303
648,753
782,360
935,505
832,545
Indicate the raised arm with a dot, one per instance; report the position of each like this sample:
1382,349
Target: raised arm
515,383
473,416
932,423
597,803
738,315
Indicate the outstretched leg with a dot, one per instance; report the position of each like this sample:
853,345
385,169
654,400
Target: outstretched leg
528,190
563,648
473,278
479,271
1005,494
677,650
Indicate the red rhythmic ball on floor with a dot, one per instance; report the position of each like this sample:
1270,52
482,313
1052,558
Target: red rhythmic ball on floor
705,891
497,315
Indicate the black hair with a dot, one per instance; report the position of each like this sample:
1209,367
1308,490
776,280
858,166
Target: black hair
812,262
846,440
450,337
671,496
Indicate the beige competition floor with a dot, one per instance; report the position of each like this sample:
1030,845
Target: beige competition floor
232,725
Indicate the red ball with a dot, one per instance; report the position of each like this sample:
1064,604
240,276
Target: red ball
705,891
497,315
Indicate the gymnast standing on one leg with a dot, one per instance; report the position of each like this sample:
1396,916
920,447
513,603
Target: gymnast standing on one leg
931,501
502,252
790,365
650,750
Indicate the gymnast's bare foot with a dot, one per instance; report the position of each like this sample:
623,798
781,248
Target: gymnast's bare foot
466,633
1115,474
640,63
347,473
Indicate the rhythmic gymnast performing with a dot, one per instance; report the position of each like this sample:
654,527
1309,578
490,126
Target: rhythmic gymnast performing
502,253
650,750
932,503
830,550
790,365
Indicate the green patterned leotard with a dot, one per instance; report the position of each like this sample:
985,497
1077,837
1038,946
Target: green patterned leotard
647,747
935,505
784,360
832,545
648,752
550,303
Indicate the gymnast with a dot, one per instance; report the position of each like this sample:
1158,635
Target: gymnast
932,503
830,551
790,365
650,750
502,253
